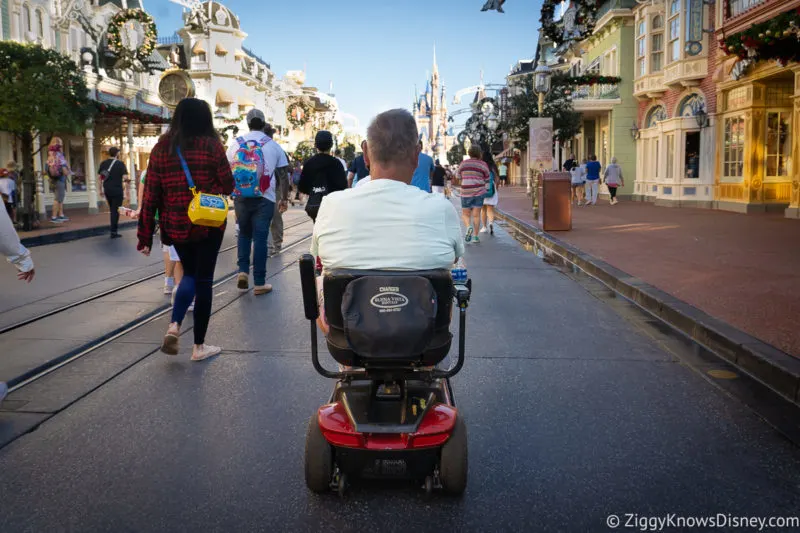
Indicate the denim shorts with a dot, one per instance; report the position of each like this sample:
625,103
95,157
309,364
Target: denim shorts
471,202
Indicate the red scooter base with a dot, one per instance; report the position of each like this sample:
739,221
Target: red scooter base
434,454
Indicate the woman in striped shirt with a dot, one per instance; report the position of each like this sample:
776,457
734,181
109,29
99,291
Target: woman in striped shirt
474,176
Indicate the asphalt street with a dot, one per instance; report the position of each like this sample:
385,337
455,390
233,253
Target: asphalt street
577,408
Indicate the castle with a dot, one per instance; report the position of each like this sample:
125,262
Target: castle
430,113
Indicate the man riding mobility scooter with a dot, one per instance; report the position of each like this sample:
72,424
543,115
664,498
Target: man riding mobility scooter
392,413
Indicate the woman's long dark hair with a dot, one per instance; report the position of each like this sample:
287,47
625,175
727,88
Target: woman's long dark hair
489,160
192,119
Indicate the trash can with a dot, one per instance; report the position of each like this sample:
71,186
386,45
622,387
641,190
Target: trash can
555,208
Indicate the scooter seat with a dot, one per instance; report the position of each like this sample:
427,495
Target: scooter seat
388,319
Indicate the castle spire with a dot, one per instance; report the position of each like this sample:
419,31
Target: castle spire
435,66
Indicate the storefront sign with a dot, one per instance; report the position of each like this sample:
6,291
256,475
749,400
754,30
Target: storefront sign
112,99
541,144
694,27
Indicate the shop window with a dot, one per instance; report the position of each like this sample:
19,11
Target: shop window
654,116
779,94
39,19
641,66
737,97
736,7
733,156
779,143
670,156
26,19
658,22
655,156
657,52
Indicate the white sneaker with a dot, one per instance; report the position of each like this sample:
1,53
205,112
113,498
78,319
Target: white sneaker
3,390
483,230
191,307
205,352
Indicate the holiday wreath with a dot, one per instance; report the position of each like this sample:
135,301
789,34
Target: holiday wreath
583,24
298,113
149,39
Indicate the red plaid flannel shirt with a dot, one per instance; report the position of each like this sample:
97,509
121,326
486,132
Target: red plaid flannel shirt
166,190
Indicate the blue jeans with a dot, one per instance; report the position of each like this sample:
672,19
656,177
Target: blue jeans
254,216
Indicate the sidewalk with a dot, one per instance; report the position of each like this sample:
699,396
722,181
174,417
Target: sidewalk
742,269
80,225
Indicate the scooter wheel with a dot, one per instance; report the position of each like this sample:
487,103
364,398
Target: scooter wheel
428,485
453,460
318,459
342,485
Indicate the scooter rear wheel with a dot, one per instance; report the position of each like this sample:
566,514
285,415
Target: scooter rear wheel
318,459
453,461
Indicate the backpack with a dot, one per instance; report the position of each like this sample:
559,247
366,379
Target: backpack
54,169
490,187
248,170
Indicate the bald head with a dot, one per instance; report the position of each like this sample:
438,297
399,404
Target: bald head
392,146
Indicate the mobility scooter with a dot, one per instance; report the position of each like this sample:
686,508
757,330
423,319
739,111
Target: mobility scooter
392,413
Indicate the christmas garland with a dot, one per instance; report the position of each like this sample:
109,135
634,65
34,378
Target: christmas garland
777,38
584,20
114,36
139,116
233,120
305,115
585,79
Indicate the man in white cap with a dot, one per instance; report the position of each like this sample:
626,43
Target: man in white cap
254,200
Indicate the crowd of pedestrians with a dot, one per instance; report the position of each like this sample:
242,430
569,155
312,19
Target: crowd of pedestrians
586,179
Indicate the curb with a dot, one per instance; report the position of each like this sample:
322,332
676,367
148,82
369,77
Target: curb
774,368
71,235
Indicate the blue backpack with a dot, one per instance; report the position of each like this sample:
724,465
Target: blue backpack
248,170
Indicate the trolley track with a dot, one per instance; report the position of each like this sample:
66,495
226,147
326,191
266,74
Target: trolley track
72,305
58,362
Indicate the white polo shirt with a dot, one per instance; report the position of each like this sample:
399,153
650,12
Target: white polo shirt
387,225
274,157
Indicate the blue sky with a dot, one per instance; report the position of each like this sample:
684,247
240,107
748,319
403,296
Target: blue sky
375,51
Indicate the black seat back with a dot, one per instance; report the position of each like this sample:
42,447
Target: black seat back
387,318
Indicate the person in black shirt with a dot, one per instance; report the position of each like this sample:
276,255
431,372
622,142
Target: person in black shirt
438,179
113,174
322,174
570,163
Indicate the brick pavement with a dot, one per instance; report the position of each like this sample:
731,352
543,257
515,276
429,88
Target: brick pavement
743,269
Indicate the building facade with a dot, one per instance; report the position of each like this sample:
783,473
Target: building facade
77,28
758,111
674,69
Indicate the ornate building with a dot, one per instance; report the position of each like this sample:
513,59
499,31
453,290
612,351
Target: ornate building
430,113
129,114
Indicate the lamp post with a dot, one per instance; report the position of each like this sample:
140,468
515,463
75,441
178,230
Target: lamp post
541,86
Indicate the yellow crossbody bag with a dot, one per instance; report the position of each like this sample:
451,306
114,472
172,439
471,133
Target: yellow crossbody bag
204,209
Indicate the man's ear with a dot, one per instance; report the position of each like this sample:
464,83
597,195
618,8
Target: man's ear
366,154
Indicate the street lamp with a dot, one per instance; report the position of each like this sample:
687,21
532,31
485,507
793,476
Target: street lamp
541,84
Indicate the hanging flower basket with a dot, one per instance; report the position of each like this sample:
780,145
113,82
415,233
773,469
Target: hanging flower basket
777,38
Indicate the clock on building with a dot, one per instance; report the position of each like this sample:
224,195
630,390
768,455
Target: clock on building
174,86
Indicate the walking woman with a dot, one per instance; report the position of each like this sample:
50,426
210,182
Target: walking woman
57,170
490,200
192,135
613,179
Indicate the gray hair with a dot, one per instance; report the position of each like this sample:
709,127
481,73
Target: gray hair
613,160
392,137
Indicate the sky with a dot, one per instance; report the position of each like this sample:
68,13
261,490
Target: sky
376,51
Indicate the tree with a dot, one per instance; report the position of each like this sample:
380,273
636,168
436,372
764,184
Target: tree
525,105
41,91
455,155
348,152
304,151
